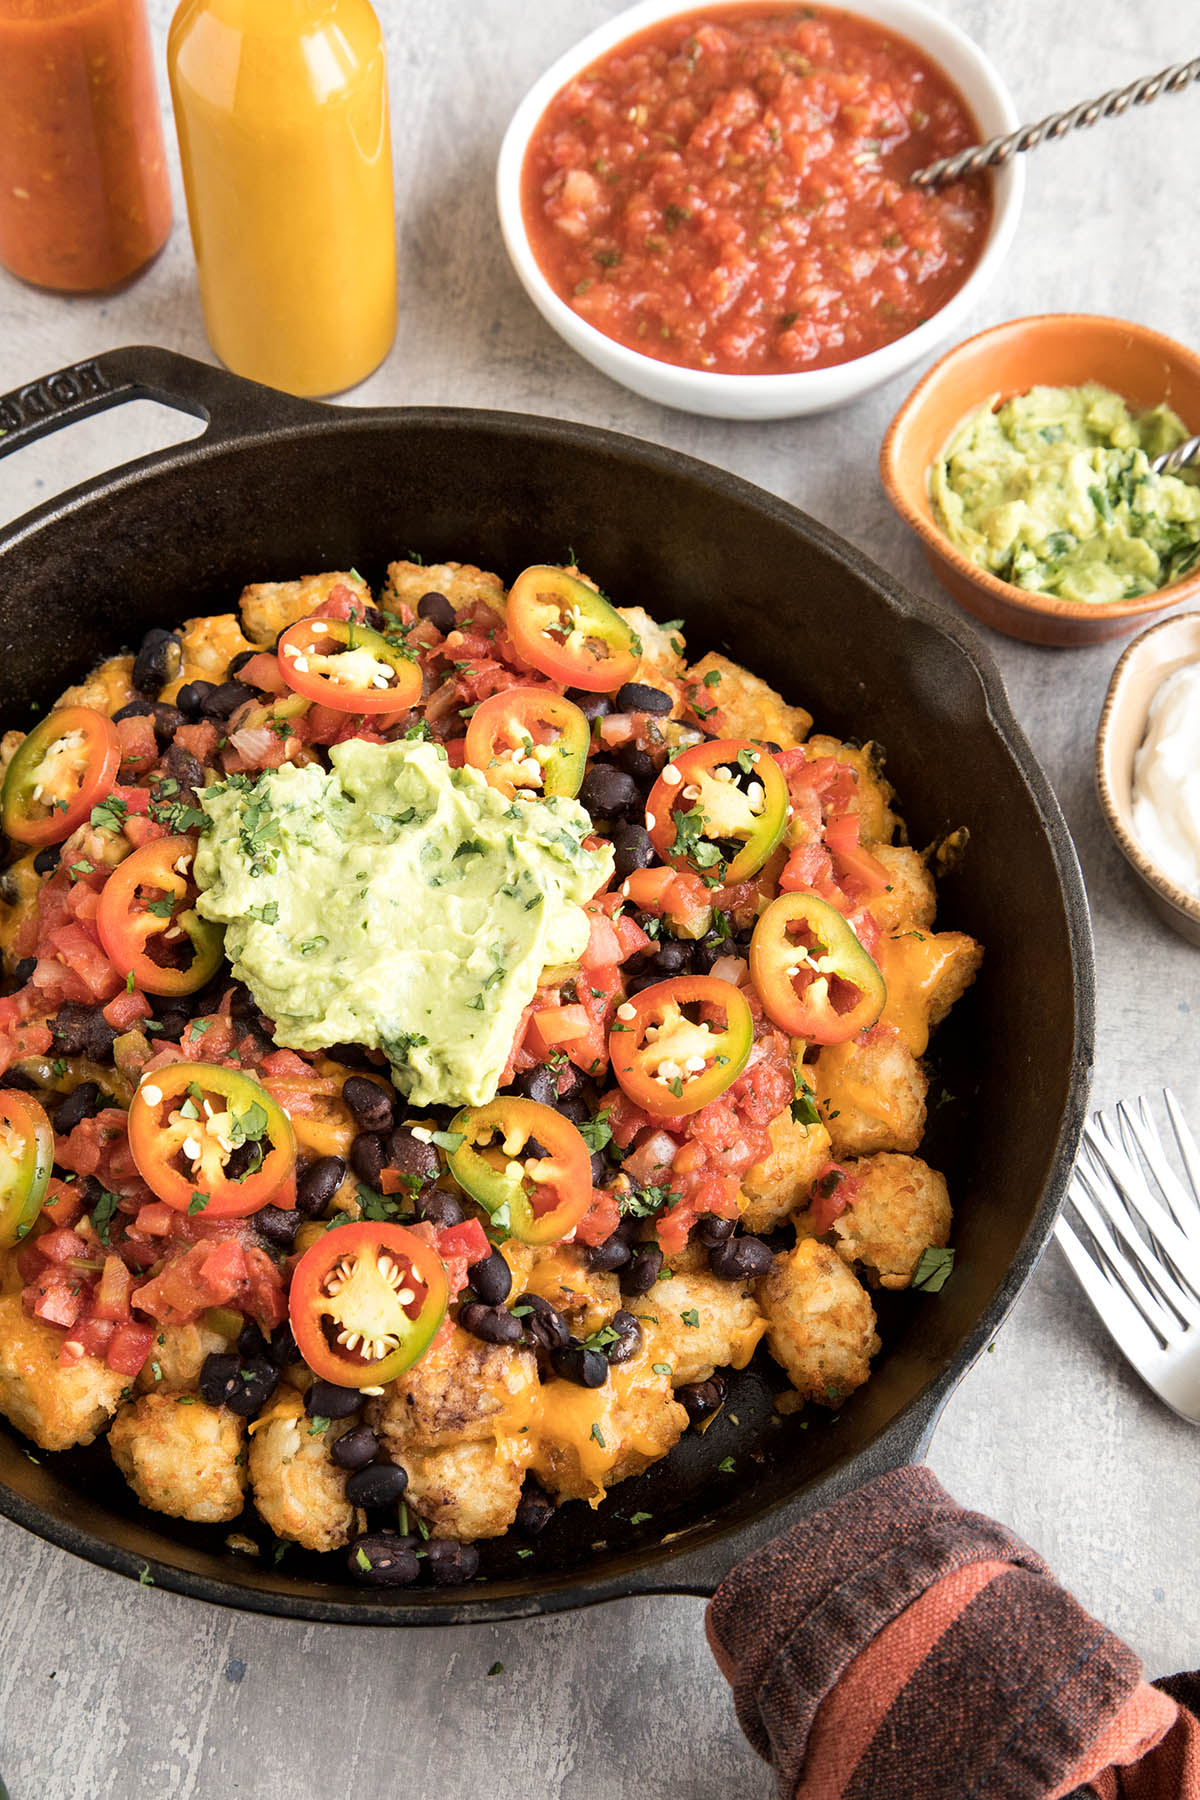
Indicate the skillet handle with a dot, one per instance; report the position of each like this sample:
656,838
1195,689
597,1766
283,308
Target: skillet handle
144,372
700,1572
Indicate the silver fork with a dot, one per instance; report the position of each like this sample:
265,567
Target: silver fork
1131,1232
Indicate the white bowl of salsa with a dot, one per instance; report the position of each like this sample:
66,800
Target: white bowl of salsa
713,206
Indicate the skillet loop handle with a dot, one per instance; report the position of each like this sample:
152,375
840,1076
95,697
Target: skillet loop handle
144,372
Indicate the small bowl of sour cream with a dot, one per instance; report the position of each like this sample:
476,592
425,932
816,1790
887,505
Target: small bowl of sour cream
1148,766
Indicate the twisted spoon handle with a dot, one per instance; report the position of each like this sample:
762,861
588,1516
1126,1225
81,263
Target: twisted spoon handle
998,150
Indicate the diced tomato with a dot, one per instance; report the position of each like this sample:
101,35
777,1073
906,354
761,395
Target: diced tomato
456,752
113,1290
286,1062
262,672
61,1246
264,1298
224,1269
89,1336
56,1297
603,945
157,1219
89,1147
831,1193
63,1202
141,831
128,1348
601,1218
139,747
554,1026
631,937
459,1246
200,739
126,1009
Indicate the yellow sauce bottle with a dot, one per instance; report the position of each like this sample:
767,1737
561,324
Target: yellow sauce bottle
281,109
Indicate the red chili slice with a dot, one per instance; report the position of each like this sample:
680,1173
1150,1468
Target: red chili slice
570,632
365,1302
191,1126
714,798
149,900
679,1044
347,666
537,1198
529,739
813,976
65,765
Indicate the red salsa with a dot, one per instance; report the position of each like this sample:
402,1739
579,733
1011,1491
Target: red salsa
728,190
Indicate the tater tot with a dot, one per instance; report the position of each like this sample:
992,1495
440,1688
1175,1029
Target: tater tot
820,1322
181,1456
298,1488
56,1404
465,1490
698,1323
899,1207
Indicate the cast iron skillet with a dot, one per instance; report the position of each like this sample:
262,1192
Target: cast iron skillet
278,487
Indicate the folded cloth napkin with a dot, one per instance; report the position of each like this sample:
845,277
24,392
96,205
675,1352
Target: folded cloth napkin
897,1647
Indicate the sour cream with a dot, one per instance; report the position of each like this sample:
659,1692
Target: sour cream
1166,780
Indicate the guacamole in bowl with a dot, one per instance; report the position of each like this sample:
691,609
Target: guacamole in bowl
1053,491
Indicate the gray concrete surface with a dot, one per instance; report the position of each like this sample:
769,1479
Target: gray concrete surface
110,1689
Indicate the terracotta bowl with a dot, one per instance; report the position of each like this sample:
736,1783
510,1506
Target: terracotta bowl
1157,653
1058,350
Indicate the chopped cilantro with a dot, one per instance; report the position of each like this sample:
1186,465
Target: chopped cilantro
596,1132
102,1214
197,1204
319,1425
933,1270
598,1435
691,1317
727,1465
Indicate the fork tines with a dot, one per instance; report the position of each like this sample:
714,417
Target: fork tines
1131,1232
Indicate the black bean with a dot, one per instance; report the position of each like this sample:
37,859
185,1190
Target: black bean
538,1084
167,720
223,701
711,1230
379,1484
318,1184
242,1159
23,970
632,848
366,1157
586,1368
592,706
574,1106
635,696
278,1225
609,793
356,1056
282,1350
613,1253
535,1511
640,764
81,1103
185,768
237,663
601,1169
643,1271
701,1398
491,1279
674,958
242,1383
99,1037
440,1207
47,860
157,662
544,1324
740,1259
451,1564
325,1400
373,1105
192,696
381,1560
628,1340
79,1030
438,610
493,1324
135,709
355,1448
410,1156
174,1016
251,1341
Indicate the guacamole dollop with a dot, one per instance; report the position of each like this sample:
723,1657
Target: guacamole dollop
1053,491
398,903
